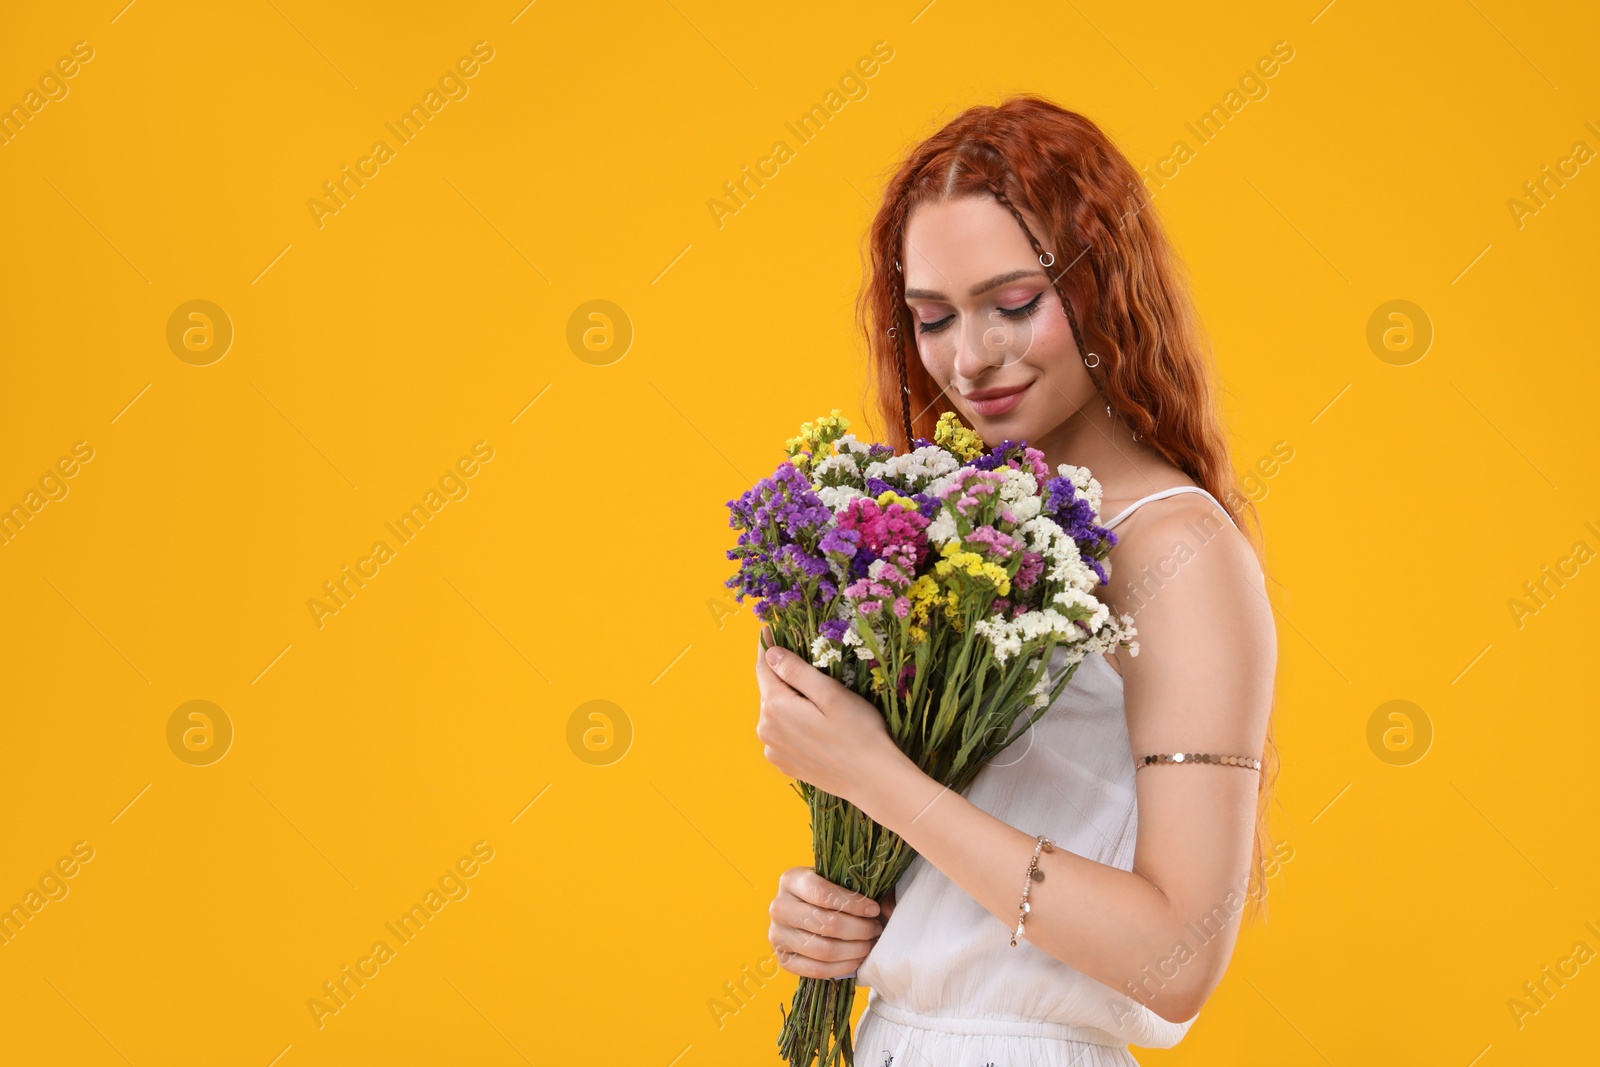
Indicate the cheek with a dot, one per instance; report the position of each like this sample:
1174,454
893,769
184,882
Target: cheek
1054,355
1052,336
1063,382
937,356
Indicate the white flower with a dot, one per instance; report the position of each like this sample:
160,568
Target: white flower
912,468
1008,635
824,652
842,463
1025,509
852,639
837,497
1041,690
1006,642
1019,493
941,485
1099,612
1114,633
942,529
1087,485
1064,563
1018,484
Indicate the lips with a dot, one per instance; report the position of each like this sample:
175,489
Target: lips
997,401
996,393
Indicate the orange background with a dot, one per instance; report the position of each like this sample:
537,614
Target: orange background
448,701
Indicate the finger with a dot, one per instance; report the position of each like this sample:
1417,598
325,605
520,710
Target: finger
767,680
823,923
765,639
768,684
809,968
811,887
817,948
763,678
800,675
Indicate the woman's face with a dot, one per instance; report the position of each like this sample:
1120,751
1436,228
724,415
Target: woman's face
989,326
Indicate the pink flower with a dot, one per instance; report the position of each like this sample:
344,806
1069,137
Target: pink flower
867,589
894,533
1028,573
969,485
996,544
1036,464
894,575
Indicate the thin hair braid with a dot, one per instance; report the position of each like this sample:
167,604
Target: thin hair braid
1055,279
899,341
905,387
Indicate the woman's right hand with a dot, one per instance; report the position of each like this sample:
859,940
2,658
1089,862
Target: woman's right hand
823,930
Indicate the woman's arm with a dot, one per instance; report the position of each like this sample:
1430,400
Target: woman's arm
1202,682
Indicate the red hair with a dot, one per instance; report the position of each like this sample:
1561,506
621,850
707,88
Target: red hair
1115,272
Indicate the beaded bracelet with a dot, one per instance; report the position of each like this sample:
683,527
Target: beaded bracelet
1034,874
1251,762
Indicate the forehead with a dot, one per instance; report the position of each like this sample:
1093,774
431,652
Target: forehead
951,243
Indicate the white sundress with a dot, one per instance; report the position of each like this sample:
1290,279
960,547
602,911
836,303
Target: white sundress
945,987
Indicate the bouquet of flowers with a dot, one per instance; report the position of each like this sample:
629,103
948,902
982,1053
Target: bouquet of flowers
950,586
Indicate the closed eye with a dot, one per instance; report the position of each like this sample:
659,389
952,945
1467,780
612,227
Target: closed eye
1011,313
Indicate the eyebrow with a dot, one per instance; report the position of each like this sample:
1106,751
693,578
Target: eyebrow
979,289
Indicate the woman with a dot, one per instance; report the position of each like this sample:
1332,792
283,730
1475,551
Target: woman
1016,251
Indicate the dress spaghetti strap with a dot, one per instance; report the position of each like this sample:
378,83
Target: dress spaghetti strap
1131,508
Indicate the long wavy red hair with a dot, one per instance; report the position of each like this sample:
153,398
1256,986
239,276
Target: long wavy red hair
1115,273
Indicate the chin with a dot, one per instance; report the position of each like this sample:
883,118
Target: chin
1014,425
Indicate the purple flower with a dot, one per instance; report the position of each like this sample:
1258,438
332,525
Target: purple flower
782,561
1009,453
834,629
1075,515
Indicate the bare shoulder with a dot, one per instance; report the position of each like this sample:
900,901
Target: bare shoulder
1165,534
1180,567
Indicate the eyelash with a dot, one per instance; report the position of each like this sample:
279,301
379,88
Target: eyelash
1011,313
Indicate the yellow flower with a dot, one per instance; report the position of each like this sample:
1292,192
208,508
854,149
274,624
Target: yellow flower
877,679
972,564
952,611
952,434
889,496
816,438
924,593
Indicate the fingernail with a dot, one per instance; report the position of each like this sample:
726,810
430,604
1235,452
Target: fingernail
774,654
873,909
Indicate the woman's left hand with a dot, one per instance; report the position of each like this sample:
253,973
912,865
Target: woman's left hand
816,728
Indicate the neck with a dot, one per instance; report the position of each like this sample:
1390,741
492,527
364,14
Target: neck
1125,468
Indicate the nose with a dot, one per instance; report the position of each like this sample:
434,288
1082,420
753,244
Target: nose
973,351
982,344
